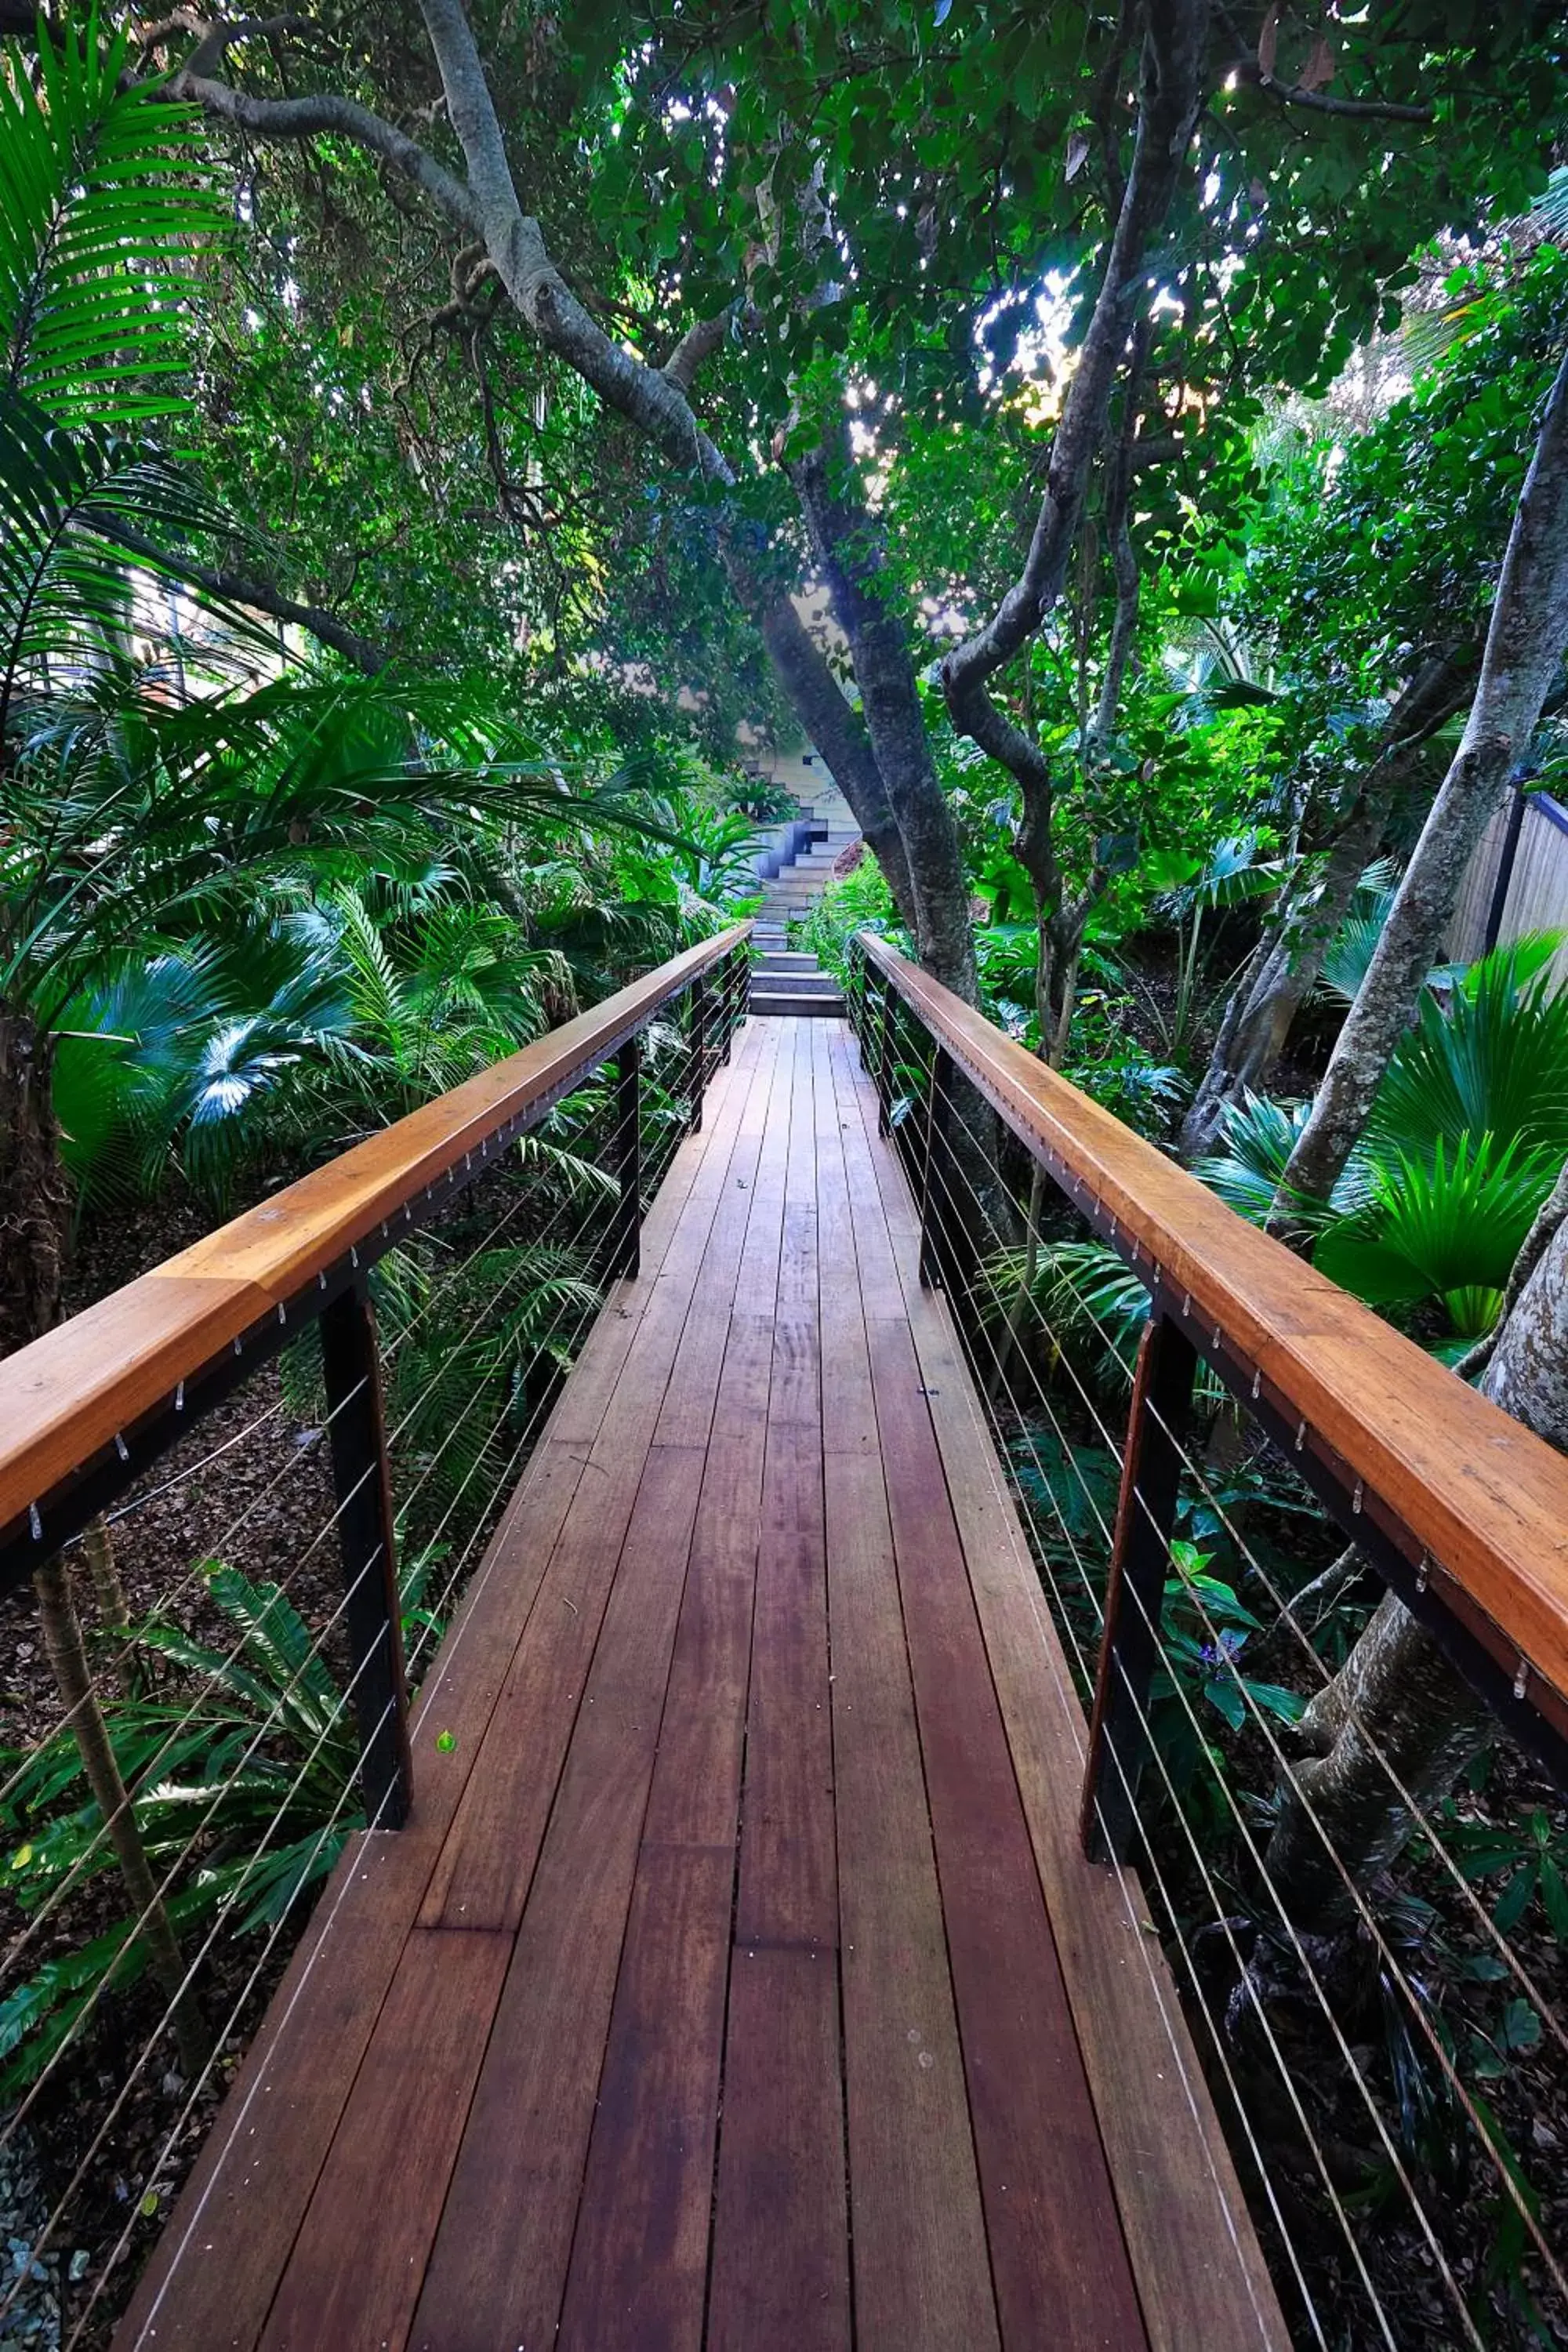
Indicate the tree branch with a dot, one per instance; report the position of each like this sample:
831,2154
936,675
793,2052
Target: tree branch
342,118
696,346
1123,557
1170,101
235,588
1318,102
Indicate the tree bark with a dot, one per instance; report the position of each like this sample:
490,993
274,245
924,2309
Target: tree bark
1278,980
848,549
109,1599
35,1195
1525,644
1397,1693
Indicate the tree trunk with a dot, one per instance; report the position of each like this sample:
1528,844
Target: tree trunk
1277,981
67,1657
35,1195
1397,1692
1525,644
848,548
109,1597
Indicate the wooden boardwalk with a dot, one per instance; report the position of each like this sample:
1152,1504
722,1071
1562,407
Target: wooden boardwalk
738,1981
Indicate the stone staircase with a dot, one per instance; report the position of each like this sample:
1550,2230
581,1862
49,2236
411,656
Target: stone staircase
785,981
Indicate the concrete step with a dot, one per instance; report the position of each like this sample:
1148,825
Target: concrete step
806,983
783,960
792,1007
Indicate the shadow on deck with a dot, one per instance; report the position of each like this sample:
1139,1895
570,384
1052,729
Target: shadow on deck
739,1979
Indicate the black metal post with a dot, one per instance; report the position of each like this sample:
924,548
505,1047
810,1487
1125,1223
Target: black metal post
1140,1563
932,1223
884,1062
727,1022
374,1617
698,1042
1503,883
626,1247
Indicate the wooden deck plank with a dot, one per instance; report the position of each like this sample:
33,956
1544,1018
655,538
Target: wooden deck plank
848,1414
482,1877
922,2269
639,2260
1051,2215
781,2148
781,2247
1201,2274
498,2268
374,2211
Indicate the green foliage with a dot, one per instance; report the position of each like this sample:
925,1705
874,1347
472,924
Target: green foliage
1529,1861
1450,1228
1493,1061
857,901
106,200
247,1764
1260,1136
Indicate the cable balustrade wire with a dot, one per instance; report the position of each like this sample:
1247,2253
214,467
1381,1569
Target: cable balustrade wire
1308,2023
413,1309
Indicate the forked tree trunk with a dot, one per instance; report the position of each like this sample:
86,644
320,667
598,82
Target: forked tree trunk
1397,1692
1525,650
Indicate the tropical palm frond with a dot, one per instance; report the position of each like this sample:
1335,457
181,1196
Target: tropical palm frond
103,206
73,501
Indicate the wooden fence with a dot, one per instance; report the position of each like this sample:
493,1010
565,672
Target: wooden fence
1516,882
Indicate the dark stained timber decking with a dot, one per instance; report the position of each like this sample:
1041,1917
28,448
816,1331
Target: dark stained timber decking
738,1981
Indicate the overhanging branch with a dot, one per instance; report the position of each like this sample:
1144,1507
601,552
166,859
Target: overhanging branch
1169,104
237,588
325,113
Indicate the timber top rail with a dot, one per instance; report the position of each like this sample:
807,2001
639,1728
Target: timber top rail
82,1388
1462,1509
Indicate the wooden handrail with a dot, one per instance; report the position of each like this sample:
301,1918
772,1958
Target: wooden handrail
1483,1498
71,1393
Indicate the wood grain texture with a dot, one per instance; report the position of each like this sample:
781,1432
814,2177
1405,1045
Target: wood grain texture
498,2270
1201,2275
1050,2211
385,2179
1486,1498
67,1394
639,2258
781,2235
